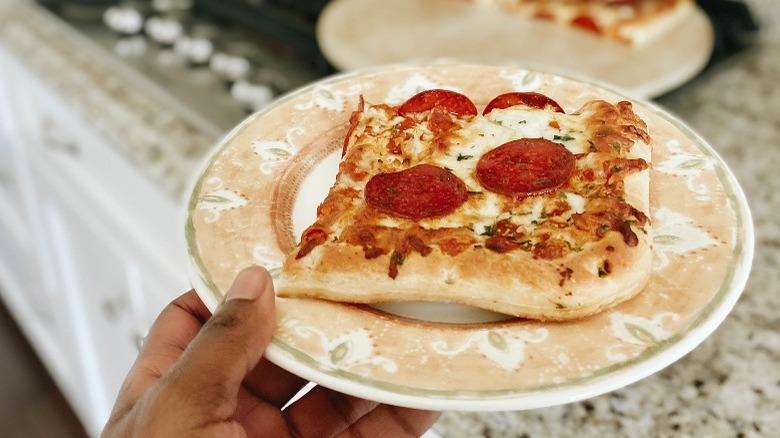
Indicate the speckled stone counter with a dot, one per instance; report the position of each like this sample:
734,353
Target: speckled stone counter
730,385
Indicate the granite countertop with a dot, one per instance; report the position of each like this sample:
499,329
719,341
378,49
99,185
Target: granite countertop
730,384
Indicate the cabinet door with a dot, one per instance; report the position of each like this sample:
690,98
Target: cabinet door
15,240
26,279
104,289
114,276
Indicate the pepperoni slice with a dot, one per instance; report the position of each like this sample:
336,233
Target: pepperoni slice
525,167
452,101
311,238
530,99
587,23
419,192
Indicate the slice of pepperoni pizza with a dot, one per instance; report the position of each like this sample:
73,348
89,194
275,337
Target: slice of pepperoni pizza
633,22
520,209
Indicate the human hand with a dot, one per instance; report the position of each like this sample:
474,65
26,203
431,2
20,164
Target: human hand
202,375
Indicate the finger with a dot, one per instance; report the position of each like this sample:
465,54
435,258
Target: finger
230,344
392,421
273,384
170,334
257,415
324,412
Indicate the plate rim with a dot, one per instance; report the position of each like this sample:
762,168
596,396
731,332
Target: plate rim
705,322
651,90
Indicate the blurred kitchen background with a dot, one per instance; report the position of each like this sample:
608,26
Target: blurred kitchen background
107,108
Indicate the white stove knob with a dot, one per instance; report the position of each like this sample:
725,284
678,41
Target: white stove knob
163,30
196,51
230,67
253,96
125,20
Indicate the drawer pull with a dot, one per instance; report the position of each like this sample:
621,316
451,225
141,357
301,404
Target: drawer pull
114,308
56,141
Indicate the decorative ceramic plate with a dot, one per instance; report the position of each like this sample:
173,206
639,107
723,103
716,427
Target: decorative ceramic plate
356,34
262,185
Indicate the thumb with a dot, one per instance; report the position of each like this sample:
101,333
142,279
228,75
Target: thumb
233,340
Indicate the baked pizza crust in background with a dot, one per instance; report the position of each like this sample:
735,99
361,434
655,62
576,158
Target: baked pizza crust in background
635,23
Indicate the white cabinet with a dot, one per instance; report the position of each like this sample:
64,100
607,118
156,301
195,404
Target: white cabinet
89,249
102,290
20,264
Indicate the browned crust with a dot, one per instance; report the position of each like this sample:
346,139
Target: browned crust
650,12
514,283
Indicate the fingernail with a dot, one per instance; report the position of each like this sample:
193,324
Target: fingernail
249,284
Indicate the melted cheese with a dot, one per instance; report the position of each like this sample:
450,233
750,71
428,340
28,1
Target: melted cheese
462,149
576,202
484,133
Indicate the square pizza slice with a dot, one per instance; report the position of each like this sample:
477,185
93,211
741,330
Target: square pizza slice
519,208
